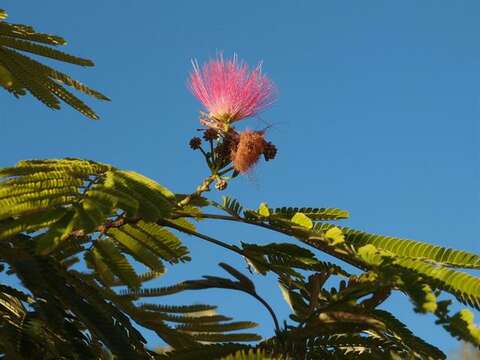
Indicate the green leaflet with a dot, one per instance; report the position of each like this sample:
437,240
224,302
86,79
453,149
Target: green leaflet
135,194
422,296
462,326
231,206
252,354
317,214
17,199
178,309
91,194
143,278
302,220
204,352
70,168
19,72
91,214
40,203
157,239
154,292
284,257
246,283
26,80
212,337
465,287
197,321
49,72
9,189
263,210
335,235
117,263
94,261
408,248
86,218
136,248
28,33
43,51
187,319
184,223
156,189
399,329
356,346
217,327
57,234
29,223
153,203
34,74
294,300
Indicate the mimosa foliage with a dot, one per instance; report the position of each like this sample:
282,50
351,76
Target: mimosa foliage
81,239
54,213
20,73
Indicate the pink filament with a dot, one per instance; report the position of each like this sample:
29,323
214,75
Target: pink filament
229,91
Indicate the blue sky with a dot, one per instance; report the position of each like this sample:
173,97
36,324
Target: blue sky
378,113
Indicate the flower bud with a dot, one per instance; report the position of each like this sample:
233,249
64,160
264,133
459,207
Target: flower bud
221,185
210,134
269,151
195,143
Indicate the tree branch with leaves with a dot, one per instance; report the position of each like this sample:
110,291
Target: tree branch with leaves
75,232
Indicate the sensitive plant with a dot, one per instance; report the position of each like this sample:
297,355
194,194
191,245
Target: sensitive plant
74,232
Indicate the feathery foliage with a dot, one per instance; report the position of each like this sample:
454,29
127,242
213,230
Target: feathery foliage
83,239
20,73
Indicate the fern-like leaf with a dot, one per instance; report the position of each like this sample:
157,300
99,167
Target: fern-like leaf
214,337
116,262
284,258
205,352
413,342
19,72
178,309
252,354
318,214
409,248
465,287
231,206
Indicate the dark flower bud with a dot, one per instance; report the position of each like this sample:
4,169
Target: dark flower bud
269,151
210,134
225,149
195,143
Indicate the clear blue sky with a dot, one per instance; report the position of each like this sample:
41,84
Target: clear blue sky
378,113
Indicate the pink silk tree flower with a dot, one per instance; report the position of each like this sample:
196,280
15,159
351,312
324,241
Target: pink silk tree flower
229,90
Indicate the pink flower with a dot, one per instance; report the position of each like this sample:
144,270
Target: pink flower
229,91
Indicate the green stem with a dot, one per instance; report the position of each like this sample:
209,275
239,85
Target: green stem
206,157
204,186
235,249
269,309
225,171
313,239
212,152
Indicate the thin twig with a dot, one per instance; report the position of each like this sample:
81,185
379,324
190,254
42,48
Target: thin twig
270,310
233,248
311,240
203,187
